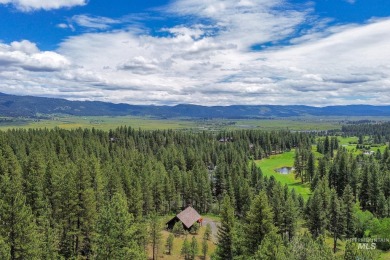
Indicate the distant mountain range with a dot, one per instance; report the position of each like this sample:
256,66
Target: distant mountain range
29,106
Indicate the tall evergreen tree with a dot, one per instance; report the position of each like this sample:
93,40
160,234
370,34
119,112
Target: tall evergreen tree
318,208
327,146
336,217
374,188
155,235
290,218
271,248
225,231
258,222
205,248
169,243
364,196
4,250
17,226
186,249
310,168
349,212
116,229
194,248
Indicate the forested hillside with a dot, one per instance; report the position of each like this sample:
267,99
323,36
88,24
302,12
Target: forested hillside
40,107
89,194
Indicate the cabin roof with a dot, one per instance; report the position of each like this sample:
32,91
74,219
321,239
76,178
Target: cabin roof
188,216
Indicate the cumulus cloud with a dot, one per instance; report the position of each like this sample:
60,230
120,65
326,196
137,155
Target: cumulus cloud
211,61
25,55
244,22
32,5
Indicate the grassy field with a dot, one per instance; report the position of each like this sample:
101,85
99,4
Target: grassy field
298,124
147,123
350,144
269,165
103,123
385,256
178,243
106,123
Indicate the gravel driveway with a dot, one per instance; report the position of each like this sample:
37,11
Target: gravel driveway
214,228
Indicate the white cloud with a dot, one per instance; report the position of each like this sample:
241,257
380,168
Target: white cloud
31,5
211,61
246,22
25,55
94,22
24,46
62,25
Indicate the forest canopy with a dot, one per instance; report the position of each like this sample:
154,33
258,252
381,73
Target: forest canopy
90,194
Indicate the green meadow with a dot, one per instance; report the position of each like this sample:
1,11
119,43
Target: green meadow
269,165
350,144
147,123
102,122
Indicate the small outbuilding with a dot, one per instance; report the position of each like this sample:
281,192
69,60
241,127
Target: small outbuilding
188,217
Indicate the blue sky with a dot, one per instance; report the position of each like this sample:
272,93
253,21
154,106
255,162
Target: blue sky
208,52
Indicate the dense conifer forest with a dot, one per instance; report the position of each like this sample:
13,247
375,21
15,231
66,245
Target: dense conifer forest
90,194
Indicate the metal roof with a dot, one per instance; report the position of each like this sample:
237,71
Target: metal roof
188,216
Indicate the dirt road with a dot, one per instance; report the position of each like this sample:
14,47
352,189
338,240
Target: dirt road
214,228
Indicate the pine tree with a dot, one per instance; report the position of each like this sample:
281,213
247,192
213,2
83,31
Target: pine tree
349,212
244,197
364,196
382,206
318,207
178,229
258,222
225,231
34,183
322,168
219,177
327,146
336,219
314,182
306,248
116,229
186,249
155,235
374,188
169,243
69,212
298,165
290,218
50,237
278,205
18,225
86,212
310,168
4,250
354,178
205,248
135,198
207,232
194,248
195,228
271,248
